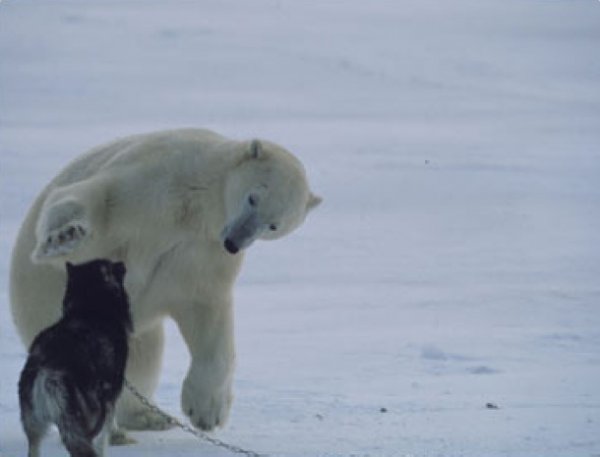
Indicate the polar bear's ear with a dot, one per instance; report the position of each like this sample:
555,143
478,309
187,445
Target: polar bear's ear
256,149
61,228
313,201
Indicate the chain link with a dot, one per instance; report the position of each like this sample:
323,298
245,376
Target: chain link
187,428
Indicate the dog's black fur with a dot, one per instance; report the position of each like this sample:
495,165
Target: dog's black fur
75,369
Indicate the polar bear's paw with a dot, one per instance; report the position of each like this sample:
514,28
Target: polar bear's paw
61,229
145,419
206,411
118,437
62,241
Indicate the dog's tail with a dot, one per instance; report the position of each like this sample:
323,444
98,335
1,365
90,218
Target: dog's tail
92,409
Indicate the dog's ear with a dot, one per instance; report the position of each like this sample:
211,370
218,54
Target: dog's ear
119,270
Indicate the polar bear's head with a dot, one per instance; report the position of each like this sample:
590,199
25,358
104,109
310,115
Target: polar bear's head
266,196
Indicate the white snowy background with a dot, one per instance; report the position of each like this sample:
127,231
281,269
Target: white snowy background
455,260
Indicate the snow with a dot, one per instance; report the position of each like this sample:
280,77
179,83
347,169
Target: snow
455,260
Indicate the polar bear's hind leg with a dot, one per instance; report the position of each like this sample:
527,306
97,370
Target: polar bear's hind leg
143,371
62,241
61,231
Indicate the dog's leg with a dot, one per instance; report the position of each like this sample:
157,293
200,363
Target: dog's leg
81,449
33,413
143,370
75,429
102,438
76,438
35,431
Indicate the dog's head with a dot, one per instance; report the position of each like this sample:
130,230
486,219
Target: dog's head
98,288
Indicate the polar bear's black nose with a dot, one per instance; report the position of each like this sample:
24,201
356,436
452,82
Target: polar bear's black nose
230,246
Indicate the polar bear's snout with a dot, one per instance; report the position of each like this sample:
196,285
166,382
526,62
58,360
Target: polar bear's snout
242,232
230,246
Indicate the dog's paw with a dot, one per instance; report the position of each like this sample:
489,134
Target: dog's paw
145,420
118,437
206,410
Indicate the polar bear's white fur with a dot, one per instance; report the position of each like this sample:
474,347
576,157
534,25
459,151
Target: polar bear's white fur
176,207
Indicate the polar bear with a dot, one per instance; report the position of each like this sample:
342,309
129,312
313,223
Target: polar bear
178,208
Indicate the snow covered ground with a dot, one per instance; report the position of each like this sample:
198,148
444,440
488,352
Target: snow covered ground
455,261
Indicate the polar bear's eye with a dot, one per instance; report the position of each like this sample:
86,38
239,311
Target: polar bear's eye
252,200
272,227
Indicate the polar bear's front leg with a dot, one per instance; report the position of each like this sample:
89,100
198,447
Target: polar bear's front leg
206,395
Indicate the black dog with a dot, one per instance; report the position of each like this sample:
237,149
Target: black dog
75,370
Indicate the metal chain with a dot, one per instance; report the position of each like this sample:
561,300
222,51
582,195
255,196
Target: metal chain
183,426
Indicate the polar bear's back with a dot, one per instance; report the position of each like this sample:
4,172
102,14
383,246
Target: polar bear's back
136,148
